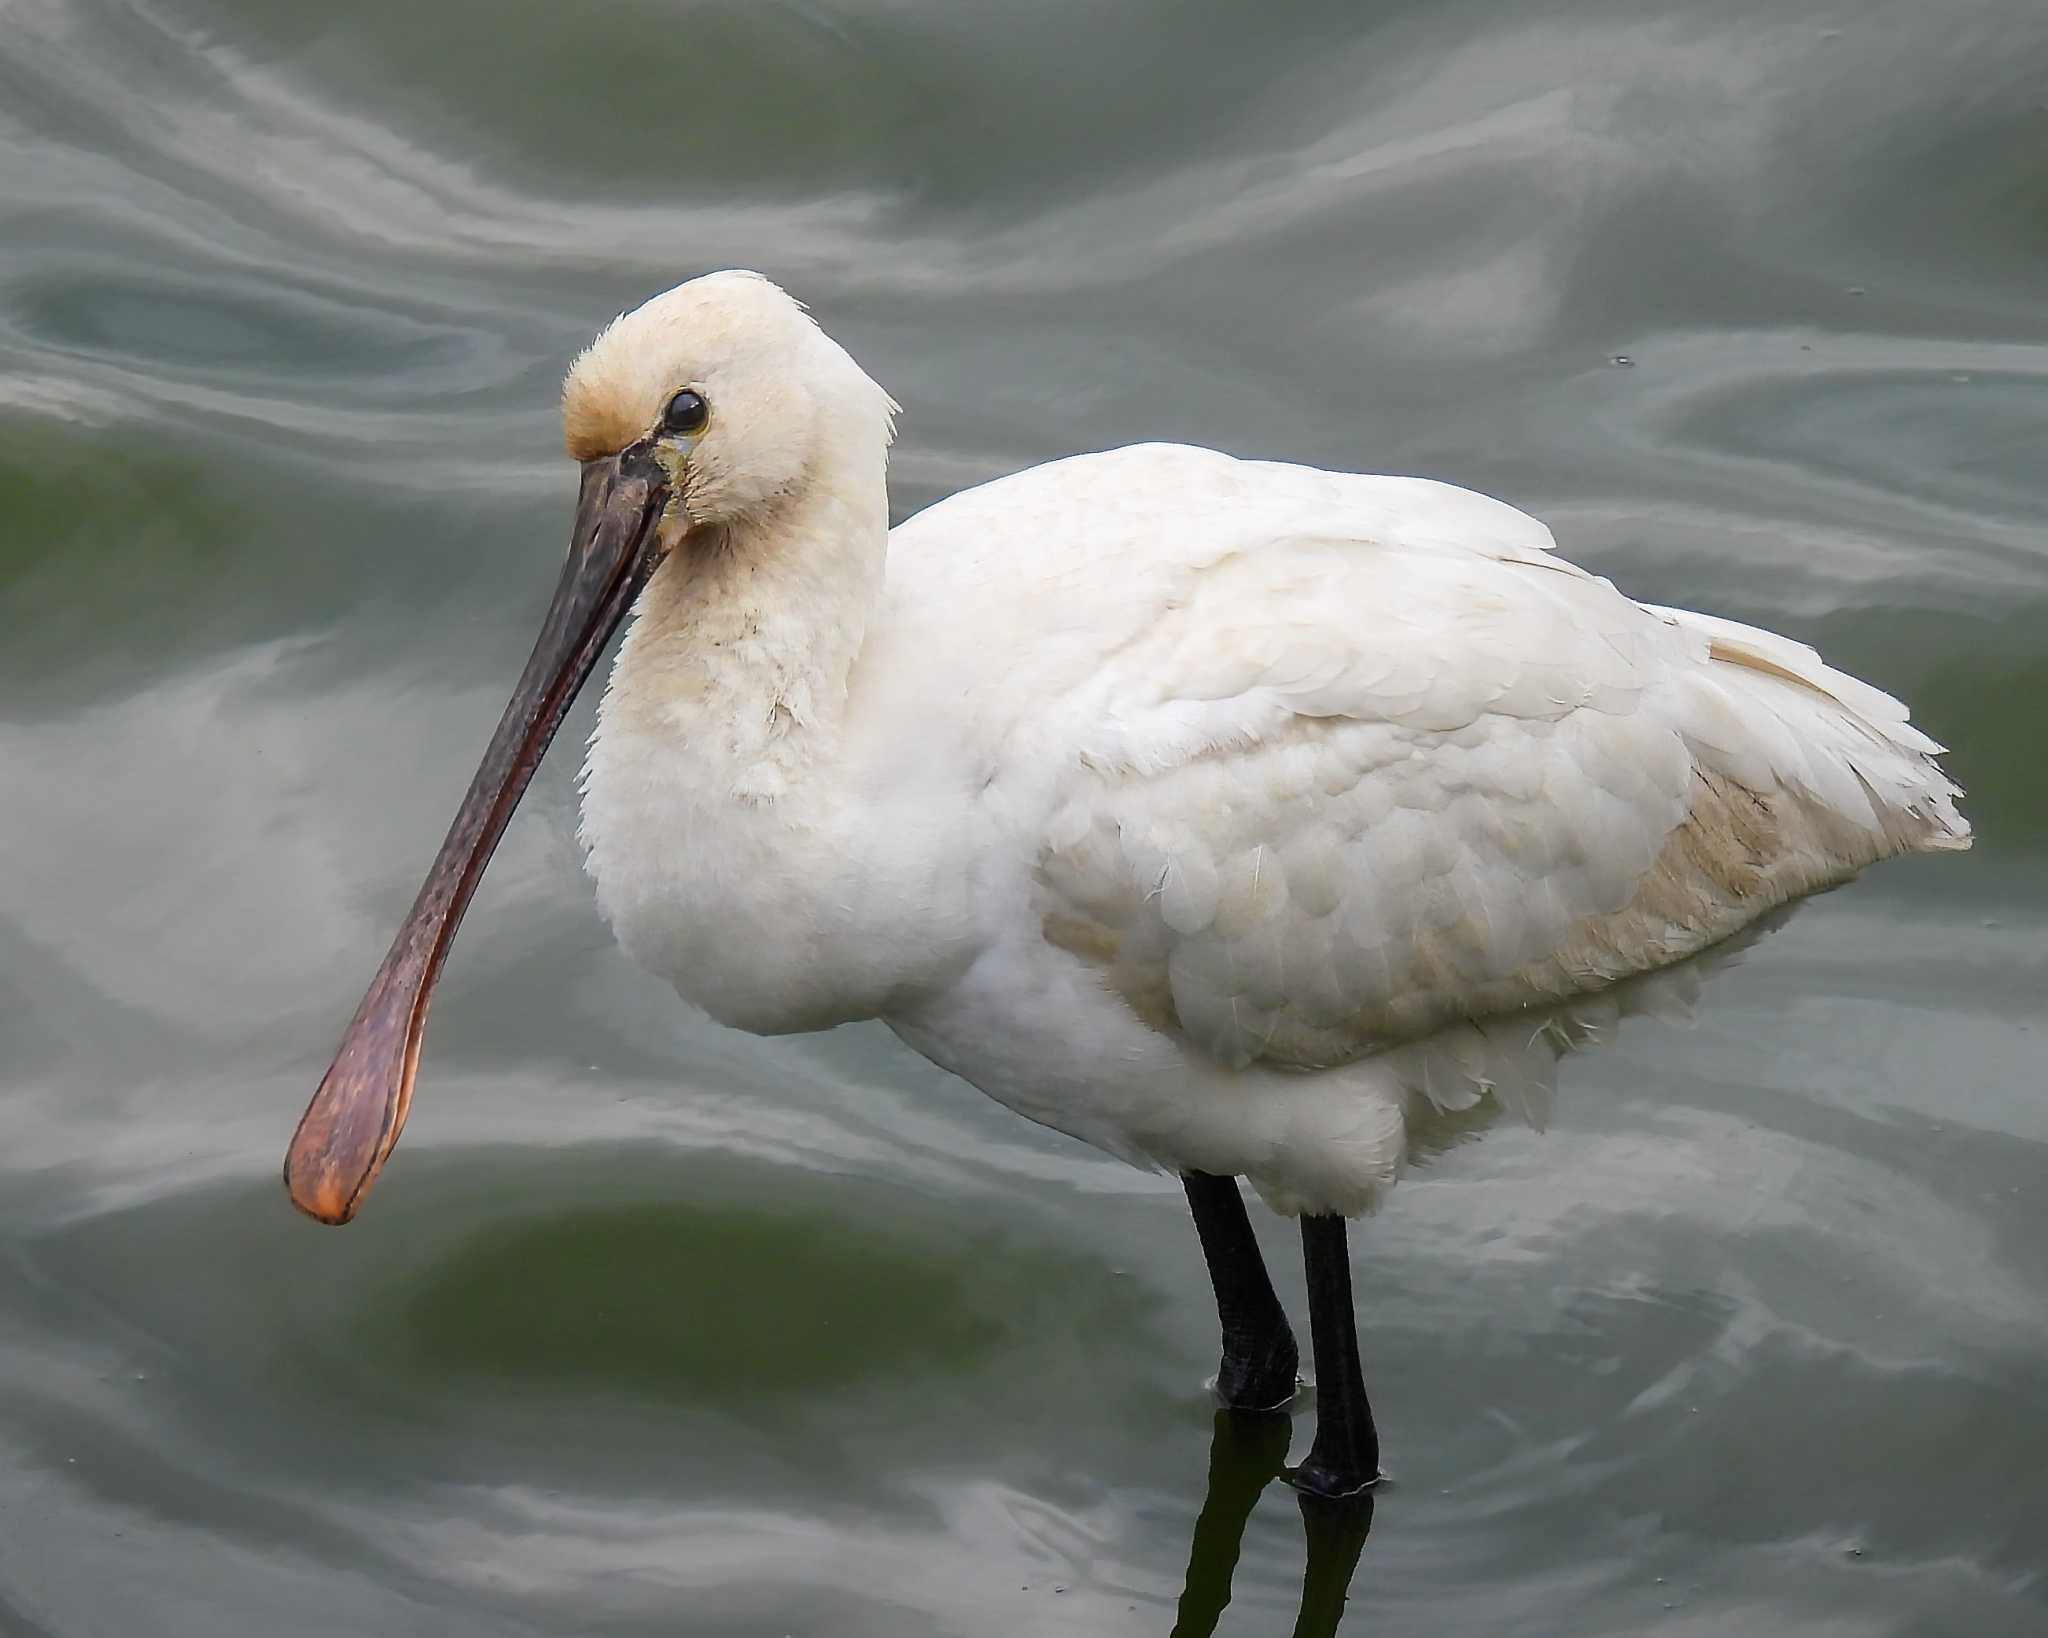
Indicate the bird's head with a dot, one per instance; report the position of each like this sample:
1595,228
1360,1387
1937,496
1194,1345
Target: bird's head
704,410
728,387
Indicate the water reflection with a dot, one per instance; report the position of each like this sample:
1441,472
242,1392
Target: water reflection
284,300
1247,1452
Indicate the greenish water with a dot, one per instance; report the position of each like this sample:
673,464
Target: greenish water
653,1328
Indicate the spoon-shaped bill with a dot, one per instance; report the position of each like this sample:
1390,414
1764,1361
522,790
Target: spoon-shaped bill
353,1122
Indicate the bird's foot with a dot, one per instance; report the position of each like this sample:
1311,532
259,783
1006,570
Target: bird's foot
1343,1461
1334,1482
1265,1380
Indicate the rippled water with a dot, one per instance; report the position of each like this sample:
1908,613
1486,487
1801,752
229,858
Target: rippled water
654,1328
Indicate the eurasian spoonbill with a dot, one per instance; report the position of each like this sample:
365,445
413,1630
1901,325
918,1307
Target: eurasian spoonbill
1238,818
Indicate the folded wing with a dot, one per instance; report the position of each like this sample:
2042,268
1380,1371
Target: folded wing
1336,794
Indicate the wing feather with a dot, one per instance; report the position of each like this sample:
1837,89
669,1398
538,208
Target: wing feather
1361,761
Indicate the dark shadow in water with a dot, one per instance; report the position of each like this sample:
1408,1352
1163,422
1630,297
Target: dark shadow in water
661,1300
1247,1452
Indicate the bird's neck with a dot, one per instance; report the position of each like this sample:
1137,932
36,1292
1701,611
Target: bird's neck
729,850
742,646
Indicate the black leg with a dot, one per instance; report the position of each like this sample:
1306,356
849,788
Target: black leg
1259,1356
1345,1457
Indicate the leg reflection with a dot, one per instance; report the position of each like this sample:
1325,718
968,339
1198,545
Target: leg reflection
1336,1532
1247,1451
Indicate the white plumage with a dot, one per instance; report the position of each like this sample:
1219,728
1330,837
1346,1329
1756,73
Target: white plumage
1231,816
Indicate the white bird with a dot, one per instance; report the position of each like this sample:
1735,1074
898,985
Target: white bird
1238,818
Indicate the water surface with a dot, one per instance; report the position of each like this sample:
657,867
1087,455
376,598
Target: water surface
655,1328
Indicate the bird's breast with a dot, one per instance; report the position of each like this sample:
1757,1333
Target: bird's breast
815,908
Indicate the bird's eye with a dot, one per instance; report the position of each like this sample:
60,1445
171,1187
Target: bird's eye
686,413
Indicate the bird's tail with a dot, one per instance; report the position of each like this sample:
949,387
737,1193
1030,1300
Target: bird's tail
1770,713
